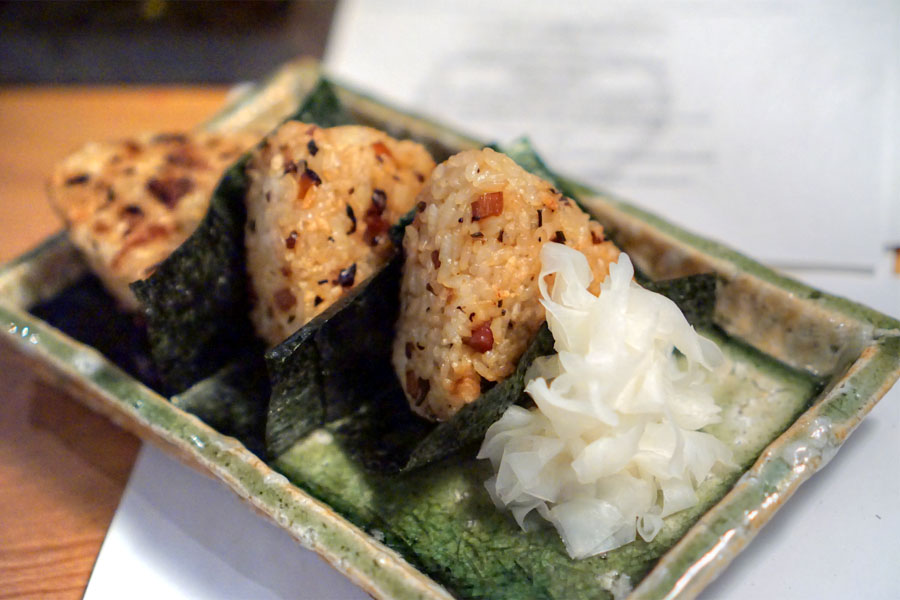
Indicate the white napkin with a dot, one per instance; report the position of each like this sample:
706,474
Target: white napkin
773,126
178,534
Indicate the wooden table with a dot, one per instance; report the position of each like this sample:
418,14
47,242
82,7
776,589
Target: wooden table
62,468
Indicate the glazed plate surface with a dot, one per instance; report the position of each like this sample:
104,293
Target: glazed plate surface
803,369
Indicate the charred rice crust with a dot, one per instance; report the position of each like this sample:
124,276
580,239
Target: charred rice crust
469,297
129,204
318,211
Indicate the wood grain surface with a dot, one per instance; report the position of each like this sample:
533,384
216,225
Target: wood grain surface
40,126
62,467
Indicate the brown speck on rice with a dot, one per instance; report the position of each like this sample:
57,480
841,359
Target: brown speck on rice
328,200
484,309
129,204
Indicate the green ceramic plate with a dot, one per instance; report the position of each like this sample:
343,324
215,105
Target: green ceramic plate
804,369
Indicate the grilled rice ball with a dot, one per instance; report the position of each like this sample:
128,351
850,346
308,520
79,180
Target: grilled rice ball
318,211
129,204
469,296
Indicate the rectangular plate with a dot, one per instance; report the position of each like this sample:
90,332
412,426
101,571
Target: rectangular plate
805,368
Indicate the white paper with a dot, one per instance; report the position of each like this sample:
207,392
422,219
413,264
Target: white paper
772,126
180,535
837,537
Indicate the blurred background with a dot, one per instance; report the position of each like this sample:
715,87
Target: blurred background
156,41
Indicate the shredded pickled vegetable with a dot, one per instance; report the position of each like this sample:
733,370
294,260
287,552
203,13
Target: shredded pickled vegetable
613,446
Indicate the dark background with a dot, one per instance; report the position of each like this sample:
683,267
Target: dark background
156,41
